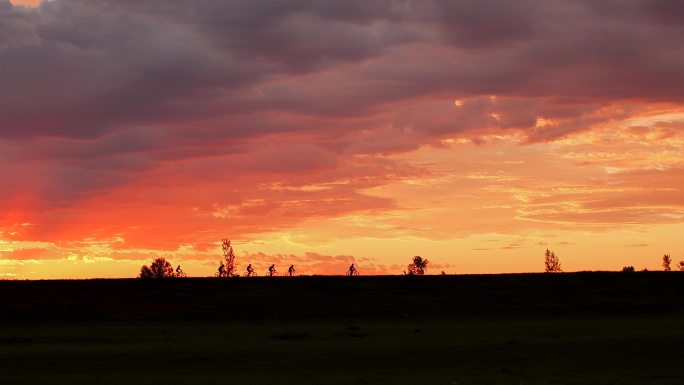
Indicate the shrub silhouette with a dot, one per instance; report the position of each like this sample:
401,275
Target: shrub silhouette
418,266
628,269
680,265
159,268
551,262
666,262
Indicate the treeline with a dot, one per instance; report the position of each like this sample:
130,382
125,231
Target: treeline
161,268
552,264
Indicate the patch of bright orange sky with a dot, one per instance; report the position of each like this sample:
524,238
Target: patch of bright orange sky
26,2
603,197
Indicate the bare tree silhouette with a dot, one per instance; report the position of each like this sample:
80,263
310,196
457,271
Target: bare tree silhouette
551,262
418,266
159,268
666,262
228,266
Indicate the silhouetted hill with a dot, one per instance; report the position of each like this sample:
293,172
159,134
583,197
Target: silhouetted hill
319,298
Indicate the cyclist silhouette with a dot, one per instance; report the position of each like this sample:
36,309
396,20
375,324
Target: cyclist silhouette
352,271
250,270
179,272
272,271
291,271
221,270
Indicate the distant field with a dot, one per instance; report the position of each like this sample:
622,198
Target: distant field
584,328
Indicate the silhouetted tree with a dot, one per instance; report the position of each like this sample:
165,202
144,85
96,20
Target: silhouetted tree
680,265
228,265
551,262
160,268
666,262
628,269
418,266
145,272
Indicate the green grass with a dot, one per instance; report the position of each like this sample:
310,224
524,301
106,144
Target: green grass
373,331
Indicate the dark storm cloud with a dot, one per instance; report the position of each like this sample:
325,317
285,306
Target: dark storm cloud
76,68
79,69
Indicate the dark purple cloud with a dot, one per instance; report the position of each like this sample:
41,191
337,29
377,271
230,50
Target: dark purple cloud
81,69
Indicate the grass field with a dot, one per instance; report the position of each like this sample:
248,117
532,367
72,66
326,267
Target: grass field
585,328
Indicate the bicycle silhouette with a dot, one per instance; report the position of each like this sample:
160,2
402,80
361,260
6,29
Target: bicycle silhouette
250,272
352,271
180,273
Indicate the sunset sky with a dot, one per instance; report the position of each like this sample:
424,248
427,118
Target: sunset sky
324,132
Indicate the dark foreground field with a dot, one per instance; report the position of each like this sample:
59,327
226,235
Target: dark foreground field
586,328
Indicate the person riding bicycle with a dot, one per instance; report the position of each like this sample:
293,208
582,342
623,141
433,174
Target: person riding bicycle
291,270
352,270
179,272
250,270
272,270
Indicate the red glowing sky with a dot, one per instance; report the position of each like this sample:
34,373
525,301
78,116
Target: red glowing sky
475,134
